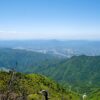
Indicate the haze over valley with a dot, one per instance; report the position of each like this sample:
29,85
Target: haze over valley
60,48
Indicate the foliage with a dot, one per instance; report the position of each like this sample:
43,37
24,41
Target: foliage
32,84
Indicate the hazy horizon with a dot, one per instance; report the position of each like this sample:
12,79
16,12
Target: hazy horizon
83,40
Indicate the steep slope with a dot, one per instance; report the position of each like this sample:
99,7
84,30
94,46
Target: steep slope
79,71
79,68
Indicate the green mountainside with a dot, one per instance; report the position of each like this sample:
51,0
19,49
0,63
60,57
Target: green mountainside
79,69
29,86
79,73
25,59
82,72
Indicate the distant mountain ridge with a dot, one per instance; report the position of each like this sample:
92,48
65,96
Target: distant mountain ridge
61,48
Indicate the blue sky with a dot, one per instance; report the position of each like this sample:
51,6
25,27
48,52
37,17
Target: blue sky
50,19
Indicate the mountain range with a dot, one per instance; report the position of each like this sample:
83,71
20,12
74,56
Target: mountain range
81,73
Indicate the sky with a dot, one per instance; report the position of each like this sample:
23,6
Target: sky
50,19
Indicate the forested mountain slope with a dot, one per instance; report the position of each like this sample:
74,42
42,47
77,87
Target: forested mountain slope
25,60
81,72
79,69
